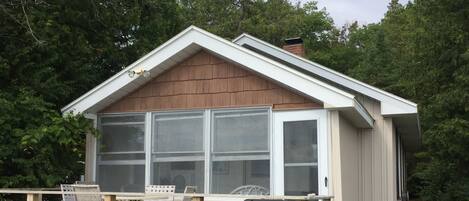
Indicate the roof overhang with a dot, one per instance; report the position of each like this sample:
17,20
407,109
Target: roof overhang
408,127
194,39
403,112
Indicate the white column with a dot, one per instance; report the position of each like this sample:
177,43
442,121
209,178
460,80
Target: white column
207,134
148,129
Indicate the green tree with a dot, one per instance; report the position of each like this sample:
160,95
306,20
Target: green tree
67,47
441,87
420,51
272,21
39,146
51,52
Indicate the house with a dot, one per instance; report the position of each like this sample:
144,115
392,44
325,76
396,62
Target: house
200,110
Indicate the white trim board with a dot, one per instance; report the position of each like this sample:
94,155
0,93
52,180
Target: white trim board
194,39
390,103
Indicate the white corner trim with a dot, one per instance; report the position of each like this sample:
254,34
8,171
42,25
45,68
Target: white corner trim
390,103
331,96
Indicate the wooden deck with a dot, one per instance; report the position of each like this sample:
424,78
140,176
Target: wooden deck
36,195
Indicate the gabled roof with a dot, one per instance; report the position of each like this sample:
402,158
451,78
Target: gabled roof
194,39
390,103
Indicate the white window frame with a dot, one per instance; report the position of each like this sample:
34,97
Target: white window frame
97,144
209,149
269,132
279,117
149,126
100,126
275,143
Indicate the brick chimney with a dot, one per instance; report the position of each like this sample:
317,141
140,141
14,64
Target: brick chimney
295,46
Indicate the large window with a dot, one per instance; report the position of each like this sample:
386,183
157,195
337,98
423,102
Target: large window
218,151
240,150
121,152
178,150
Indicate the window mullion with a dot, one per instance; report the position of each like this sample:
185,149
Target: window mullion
207,148
148,148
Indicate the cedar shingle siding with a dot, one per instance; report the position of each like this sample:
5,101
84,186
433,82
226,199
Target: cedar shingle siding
206,81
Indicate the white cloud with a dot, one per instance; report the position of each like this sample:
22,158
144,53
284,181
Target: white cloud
347,11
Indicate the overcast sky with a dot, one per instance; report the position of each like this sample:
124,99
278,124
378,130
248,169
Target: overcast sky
363,11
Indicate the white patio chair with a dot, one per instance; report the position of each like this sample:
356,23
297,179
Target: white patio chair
187,190
65,188
92,189
169,190
250,190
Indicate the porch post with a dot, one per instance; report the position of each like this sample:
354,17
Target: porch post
110,198
90,152
197,198
33,197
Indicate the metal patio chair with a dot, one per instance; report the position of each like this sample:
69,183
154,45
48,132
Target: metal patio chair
169,190
65,188
250,190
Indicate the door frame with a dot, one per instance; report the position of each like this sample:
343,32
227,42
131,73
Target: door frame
277,152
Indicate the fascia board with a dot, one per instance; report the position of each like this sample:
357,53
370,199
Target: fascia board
390,103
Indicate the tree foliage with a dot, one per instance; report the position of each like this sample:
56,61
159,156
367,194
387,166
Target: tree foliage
39,146
51,52
419,51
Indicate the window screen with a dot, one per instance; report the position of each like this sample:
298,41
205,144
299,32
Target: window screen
238,141
125,178
178,151
240,150
300,157
178,133
241,131
121,152
122,138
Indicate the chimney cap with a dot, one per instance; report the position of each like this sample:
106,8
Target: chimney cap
293,41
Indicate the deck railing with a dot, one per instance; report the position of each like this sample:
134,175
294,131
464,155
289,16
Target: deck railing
36,195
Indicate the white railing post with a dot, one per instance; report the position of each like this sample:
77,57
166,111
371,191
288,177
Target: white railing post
110,198
33,197
197,198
